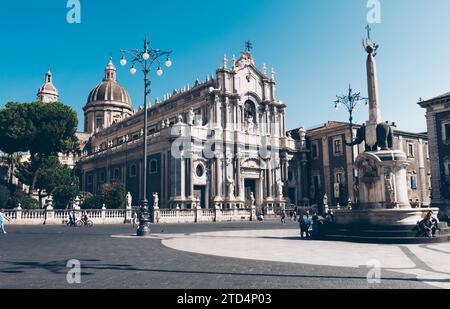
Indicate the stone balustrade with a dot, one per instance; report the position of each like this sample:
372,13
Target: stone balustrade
57,217
204,215
124,216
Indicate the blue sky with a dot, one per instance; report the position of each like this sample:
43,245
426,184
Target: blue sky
314,45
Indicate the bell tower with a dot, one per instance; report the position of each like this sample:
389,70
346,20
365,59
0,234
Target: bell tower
48,93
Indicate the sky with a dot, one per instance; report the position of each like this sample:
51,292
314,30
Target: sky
314,45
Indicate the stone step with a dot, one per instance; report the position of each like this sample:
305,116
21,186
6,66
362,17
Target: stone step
389,240
382,234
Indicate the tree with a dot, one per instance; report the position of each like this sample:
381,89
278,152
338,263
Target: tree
42,129
92,202
14,160
52,175
63,195
114,195
4,197
18,197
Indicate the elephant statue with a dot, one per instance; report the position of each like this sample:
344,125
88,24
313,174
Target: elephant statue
385,137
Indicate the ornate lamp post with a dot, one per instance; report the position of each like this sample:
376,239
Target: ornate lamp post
350,101
146,58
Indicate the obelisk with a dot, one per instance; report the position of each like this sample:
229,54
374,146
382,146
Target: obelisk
372,85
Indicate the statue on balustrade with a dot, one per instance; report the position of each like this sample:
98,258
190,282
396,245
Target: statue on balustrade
155,200
230,184
280,188
129,200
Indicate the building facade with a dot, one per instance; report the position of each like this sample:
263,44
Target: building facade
438,123
221,143
329,165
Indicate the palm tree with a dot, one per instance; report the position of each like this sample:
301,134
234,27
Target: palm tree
13,160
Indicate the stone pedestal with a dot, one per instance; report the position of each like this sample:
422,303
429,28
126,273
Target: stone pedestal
382,180
383,214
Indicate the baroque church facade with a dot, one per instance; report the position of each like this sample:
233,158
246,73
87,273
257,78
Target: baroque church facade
221,143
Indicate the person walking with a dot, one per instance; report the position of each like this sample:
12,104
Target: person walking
305,224
283,217
3,217
135,220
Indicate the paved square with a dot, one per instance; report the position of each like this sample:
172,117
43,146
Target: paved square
220,256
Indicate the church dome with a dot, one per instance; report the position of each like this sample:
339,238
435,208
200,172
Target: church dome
109,90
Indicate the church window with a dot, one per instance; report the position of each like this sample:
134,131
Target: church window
99,124
337,150
413,182
133,171
116,174
249,110
102,177
339,178
89,179
199,170
315,150
411,150
153,166
447,132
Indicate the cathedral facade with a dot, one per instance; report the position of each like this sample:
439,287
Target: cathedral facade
221,143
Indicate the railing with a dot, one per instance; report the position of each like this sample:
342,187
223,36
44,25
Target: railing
121,216
56,217
203,215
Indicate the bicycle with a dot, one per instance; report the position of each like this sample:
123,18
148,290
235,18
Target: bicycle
83,222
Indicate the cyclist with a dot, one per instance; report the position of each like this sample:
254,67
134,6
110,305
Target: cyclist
85,218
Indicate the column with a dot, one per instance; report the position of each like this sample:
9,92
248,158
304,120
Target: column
269,175
238,177
188,178
304,178
227,114
239,118
211,107
299,180
218,179
422,175
183,178
191,175
218,110
326,168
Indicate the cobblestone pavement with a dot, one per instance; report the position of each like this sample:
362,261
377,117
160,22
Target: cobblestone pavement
36,257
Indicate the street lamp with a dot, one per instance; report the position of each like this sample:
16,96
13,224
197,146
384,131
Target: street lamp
145,58
350,101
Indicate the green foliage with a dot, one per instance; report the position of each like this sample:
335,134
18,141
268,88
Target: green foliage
92,202
63,196
84,196
42,129
114,195
52,174
4,197
25,201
